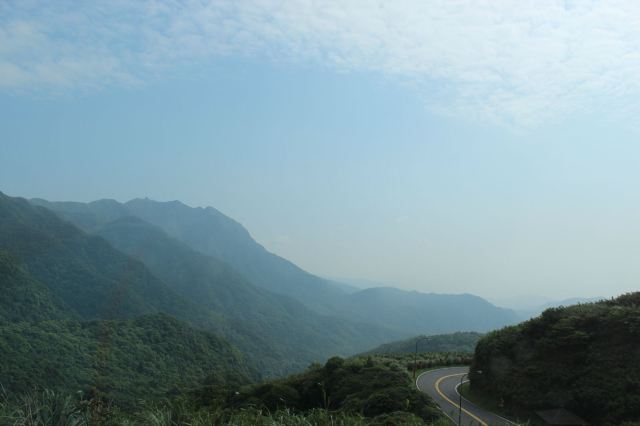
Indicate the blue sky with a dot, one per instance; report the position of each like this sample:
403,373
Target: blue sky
490,150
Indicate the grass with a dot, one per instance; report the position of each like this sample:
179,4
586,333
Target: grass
47,408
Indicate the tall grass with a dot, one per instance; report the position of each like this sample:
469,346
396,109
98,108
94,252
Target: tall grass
47,408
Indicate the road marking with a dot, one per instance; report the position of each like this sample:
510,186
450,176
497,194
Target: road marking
431,371
437,385
465,399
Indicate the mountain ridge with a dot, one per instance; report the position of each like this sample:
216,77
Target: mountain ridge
210,232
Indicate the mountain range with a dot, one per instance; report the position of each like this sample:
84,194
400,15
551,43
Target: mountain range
78,267
209,232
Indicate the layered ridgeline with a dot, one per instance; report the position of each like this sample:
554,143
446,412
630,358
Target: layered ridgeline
259,319
583,358
210,233
75,314
93,280
425,313
452,342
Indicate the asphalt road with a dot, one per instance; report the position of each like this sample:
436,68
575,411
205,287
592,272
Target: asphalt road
442,386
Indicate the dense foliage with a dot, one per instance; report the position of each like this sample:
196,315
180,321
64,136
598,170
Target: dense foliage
583,358
84,272
388,313
367,386
55,409
279,333
145,357
452,342
160,274
372,390
23,297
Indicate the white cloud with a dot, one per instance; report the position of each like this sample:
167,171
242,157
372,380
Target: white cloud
521,61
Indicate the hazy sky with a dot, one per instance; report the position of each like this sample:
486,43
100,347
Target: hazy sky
450,146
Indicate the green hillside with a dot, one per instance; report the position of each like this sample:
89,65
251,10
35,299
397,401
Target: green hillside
75,313
83,271
583,358
212,233
278,332
364,391
24,298
209,232
368,386
93,280
145,357
453,342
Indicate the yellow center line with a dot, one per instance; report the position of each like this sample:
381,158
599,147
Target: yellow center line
453,403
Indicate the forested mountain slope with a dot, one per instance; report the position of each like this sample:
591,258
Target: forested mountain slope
76,314
209,232
453,342
24,298
258,318
84,271
583,358
96,281
144,357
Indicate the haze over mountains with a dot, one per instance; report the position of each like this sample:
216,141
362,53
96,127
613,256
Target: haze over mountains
69,265
207,231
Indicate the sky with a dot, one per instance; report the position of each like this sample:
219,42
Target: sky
488,147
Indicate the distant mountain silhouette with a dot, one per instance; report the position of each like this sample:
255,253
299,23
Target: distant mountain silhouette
211,233
278,332
426,313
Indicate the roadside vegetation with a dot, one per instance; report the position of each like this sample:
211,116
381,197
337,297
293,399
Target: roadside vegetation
583,358
462,342
367,390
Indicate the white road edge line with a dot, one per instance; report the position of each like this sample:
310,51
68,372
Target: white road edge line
471,403
438,405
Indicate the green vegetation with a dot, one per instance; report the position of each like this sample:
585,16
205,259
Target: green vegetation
583,358
464,342
368,317
24,298
360,391
53,409
146,357
83,272
76,314
277,332
367,386
279,335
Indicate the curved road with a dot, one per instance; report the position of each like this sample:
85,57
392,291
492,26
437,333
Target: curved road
442,386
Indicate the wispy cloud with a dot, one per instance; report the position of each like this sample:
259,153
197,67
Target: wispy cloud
522,61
